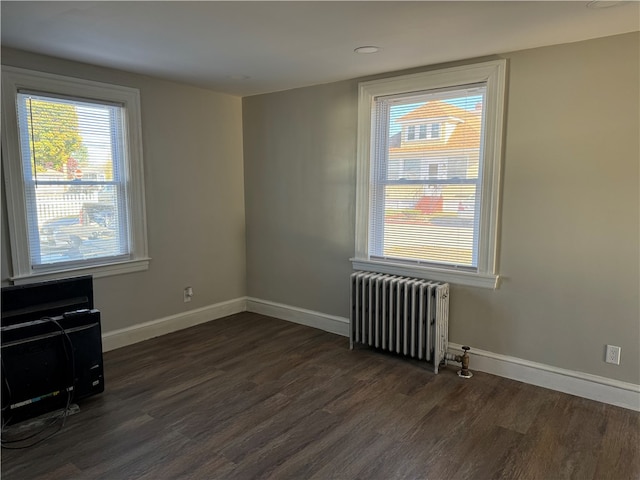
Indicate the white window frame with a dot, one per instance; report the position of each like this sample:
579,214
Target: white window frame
15,79
493,73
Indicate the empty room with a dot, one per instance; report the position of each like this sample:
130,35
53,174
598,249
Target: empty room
320,240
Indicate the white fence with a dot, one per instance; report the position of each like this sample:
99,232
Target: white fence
55,205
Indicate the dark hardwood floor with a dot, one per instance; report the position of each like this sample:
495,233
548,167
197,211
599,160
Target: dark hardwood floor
250,397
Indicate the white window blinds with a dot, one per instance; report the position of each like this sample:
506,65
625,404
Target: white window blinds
426,182
73,156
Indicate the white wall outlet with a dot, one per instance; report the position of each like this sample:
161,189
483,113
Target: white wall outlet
613,354
188,294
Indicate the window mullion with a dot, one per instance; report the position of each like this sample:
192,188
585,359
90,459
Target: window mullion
445,181
82,183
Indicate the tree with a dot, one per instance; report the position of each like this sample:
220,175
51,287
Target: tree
54,136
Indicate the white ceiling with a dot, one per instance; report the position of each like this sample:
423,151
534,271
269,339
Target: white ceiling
283,45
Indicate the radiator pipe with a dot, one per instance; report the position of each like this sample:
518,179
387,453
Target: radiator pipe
464,372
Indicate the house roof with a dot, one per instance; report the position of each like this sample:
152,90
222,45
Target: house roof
434,109
466,126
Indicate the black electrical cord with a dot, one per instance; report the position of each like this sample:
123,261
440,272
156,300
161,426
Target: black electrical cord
6,382
68,344
63,417
70,361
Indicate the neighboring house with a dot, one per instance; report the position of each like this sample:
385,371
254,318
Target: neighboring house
438,143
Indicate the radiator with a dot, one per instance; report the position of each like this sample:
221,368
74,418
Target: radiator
403,315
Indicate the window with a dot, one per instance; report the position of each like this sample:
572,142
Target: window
411,169
411,132
440,221
433,171
73,170
425,131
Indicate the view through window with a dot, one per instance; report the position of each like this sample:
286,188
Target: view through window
73,161
427,185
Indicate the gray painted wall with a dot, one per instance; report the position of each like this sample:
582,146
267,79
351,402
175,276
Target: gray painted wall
569,254
192,141
300,190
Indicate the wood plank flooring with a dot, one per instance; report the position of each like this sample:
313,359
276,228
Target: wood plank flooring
252,397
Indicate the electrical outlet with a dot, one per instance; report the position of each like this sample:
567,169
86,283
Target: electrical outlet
613,354
188,294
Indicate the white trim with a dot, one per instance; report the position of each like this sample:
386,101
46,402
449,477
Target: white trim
97,271
493,73
428,273
593,387
172,323
310,318
14,79
364,147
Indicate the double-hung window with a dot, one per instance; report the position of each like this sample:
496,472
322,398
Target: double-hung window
72,160
429,155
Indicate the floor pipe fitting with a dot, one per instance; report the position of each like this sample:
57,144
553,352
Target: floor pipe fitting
463,359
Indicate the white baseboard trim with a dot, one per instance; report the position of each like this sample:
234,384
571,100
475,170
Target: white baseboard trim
593,387
310,318
155,328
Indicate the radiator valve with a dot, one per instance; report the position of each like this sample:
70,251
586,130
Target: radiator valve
463,359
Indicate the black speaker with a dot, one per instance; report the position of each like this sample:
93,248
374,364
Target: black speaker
46,360
23,303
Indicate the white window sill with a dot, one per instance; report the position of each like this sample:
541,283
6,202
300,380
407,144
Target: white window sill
97,271
470,279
